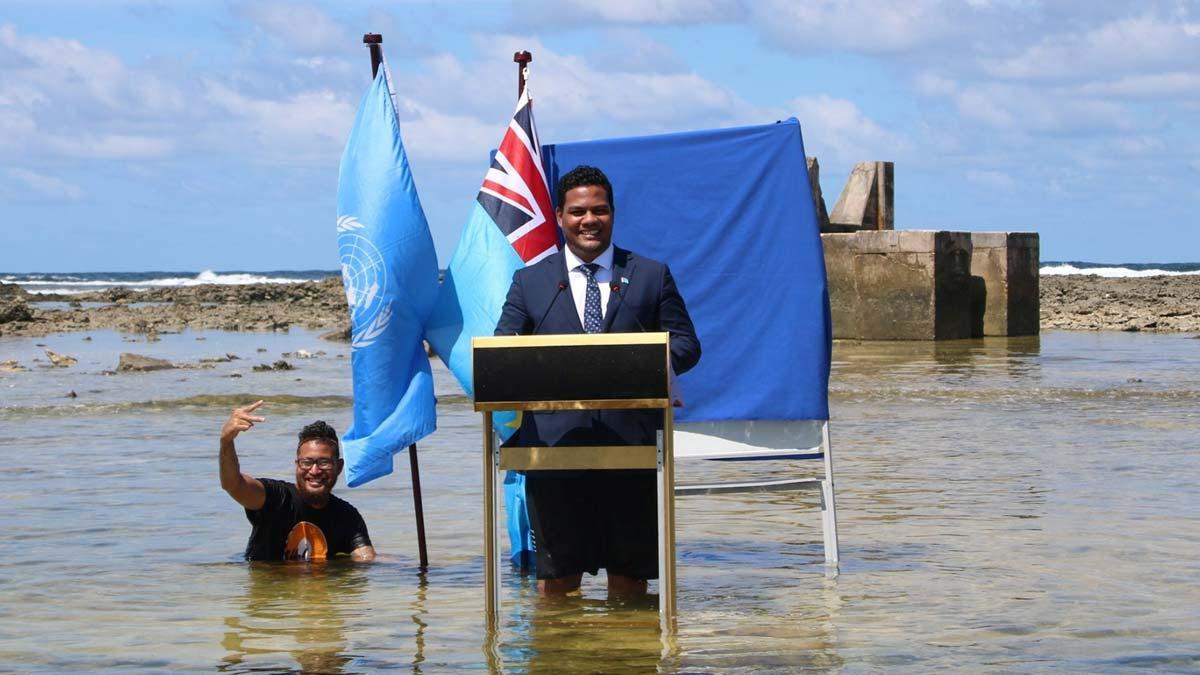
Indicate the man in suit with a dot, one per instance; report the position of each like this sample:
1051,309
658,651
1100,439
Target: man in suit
585,520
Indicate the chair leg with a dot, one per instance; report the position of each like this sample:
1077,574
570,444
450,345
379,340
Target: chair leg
828,502
829,523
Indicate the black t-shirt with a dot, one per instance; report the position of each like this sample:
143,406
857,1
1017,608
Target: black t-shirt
340,523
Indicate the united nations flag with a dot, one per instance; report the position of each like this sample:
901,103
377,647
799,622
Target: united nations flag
389,270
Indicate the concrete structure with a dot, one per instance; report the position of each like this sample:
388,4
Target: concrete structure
899,285
1004,283
918,284
868,200
814,183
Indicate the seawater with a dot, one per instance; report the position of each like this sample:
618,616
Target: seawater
1012,505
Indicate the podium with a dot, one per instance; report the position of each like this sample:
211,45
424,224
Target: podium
593,371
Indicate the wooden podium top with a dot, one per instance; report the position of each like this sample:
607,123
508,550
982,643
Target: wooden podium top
572,372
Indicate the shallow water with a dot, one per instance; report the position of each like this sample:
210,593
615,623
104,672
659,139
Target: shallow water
1004,505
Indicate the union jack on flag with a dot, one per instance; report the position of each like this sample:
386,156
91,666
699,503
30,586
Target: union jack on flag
515,192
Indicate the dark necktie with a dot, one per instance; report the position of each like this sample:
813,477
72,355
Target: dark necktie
591,299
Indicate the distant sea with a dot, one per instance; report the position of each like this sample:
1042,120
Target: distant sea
82,282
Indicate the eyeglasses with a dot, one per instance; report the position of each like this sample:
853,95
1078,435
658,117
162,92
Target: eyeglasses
307,463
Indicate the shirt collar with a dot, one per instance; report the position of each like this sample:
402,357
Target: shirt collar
604,260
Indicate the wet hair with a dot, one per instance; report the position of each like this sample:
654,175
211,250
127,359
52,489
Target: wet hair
320,431
582,176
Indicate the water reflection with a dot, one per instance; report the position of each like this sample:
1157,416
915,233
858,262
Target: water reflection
579,632
297,609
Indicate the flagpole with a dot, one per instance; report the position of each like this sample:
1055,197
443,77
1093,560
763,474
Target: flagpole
521,59
374,42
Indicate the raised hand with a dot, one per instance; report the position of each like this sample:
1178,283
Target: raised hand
240,420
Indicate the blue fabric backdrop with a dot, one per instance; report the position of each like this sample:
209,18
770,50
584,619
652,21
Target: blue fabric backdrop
730,211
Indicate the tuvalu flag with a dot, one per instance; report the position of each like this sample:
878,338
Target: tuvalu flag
389,271
511,225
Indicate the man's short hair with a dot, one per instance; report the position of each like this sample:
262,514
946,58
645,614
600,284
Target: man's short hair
582,176
320,431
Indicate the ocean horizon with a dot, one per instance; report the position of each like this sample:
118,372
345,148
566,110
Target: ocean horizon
66,283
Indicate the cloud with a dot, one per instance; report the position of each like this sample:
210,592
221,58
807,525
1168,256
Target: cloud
995,180
658,12
51,88
1027,109
933,84
869,26
301,28
1138,146
47,186
835,128
1153,85
574,97
1123,45
111,146
440,136
56,71
302,125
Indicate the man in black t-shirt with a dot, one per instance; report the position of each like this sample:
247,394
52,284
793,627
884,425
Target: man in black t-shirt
304,521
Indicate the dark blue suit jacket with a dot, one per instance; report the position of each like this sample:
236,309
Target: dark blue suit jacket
648,301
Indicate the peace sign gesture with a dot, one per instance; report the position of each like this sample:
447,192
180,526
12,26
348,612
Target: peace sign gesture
240,420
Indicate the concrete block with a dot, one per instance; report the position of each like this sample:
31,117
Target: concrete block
1005,283
814,183
909,285
868,200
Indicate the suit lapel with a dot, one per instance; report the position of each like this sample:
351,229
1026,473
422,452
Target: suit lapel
622,272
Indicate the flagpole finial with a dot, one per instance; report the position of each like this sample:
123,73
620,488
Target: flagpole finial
522,60
374,42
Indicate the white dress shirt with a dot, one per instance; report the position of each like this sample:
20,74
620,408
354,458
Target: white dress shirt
578,279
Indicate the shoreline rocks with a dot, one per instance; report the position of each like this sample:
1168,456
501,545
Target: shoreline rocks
1076,302
313,305
1163,304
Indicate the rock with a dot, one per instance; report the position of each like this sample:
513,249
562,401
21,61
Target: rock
141,364
12,292
278,365
61,360
14,310
340,335
11,366
300,354
72,394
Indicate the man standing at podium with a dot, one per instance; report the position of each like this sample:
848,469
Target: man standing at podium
586,520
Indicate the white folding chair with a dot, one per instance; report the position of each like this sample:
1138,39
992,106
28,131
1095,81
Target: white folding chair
744,441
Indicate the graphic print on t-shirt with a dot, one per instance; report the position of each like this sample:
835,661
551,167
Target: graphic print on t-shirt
306,541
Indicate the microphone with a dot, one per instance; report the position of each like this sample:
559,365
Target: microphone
562,286
616,288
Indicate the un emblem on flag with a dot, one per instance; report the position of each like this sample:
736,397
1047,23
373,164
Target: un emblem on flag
364,278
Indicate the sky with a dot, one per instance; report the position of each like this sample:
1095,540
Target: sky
178,135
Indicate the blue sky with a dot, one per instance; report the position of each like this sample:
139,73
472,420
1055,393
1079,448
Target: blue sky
178,135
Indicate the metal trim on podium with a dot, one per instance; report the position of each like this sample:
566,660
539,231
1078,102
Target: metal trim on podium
596,371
